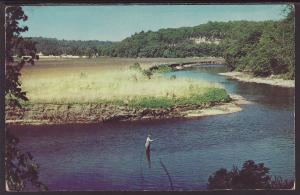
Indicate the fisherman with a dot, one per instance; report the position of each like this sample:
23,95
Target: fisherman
148,142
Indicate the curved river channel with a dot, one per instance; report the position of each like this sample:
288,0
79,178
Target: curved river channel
111,156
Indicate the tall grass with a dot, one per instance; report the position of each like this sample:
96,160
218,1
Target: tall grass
123,87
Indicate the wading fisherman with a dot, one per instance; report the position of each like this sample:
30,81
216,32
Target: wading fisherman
148,142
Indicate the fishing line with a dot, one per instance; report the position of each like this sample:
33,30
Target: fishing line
166,170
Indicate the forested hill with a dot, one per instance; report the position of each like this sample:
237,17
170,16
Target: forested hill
52,46
201,40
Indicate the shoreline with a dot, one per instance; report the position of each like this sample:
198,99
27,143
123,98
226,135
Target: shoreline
268,80
50,114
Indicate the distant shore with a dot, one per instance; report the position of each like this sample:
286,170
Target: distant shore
266,80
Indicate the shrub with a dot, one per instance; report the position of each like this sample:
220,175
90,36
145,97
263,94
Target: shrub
148,73
173,77
151,102
163,68
82,75
135,66
251,176
220,180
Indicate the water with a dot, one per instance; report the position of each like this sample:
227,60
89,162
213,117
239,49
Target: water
111,156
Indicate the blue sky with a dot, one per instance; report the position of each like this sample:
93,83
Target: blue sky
116,22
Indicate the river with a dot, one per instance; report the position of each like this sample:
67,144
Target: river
111,156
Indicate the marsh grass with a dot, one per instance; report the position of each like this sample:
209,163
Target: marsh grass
123,86
211,96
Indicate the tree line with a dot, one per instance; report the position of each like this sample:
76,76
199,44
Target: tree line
53,46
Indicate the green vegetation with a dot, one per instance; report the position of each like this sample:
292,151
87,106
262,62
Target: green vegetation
162,68
212,96
153,69
169,43
251,176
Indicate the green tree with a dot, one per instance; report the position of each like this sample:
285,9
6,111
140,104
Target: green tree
263,48
13,40
19,166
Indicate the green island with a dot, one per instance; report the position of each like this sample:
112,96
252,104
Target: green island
103,93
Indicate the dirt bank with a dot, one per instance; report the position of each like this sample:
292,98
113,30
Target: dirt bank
266,80
36,114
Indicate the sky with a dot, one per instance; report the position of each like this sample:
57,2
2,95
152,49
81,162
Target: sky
116,22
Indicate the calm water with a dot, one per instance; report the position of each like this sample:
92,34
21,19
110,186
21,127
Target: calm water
111,156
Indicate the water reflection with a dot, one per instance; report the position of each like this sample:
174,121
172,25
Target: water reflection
210,68
148,157
270,96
